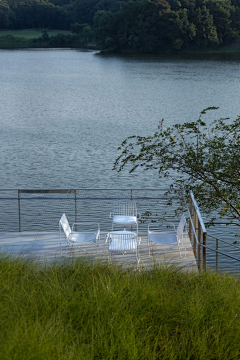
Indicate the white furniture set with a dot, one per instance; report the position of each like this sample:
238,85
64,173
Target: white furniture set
121,241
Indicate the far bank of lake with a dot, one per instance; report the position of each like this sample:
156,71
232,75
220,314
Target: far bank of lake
33,38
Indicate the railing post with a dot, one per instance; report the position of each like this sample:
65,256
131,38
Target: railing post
204,251
190,212
182,203
199,246
216,266
131,200
76,208
19,212
195,227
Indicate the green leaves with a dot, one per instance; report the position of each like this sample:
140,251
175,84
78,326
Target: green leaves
204,158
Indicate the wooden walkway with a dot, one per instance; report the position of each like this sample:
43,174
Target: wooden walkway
45,246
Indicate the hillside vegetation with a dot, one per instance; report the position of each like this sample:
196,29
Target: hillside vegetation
143,26
89,311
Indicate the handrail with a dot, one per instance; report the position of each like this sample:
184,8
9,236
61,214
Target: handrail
197,227
91,189
198,212
215,250
91,198
225,242
220,252
54,195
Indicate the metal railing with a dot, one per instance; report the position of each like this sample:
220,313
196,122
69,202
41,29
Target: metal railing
40,210
198,237
28,209
219,252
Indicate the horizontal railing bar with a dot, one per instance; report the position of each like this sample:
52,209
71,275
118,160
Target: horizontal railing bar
225,242
220,252
224,223
90,198
42,191
96,189
207,247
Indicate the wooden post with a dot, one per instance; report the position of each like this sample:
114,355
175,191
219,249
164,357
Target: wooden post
199,246
216,268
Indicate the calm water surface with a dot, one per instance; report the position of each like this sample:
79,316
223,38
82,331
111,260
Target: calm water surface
63,113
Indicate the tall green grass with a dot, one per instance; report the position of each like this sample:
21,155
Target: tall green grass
96,311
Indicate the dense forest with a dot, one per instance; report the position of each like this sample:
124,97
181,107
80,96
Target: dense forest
146,26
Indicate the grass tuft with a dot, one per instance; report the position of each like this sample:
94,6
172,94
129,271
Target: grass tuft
82,310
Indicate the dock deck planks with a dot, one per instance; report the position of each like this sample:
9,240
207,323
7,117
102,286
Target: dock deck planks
45,246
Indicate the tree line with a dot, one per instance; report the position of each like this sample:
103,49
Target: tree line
146,26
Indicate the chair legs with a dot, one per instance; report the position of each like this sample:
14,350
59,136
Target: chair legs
165,250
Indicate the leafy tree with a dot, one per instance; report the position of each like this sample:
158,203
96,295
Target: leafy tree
87,35
110,5
180,30
45,35
133,29
206,32
105,29
175,4
5,14
194,156
146,26
36,13
82,11
78,28
222,11
62,40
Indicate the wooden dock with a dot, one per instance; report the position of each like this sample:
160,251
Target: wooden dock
46,246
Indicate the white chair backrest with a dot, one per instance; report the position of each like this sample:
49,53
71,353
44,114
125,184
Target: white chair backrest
125,208
122,237
65,225
181,227
122,241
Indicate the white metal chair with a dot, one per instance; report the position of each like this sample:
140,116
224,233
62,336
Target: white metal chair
75,238
125,213
168,239
123,242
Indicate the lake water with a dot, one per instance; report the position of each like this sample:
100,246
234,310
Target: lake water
63,113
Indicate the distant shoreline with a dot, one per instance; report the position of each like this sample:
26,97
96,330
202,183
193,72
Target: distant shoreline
33,39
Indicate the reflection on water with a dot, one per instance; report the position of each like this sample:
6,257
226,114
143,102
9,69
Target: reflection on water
211,56
65,112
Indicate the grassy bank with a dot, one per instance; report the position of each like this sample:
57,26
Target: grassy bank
85,311
30,34
36,38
